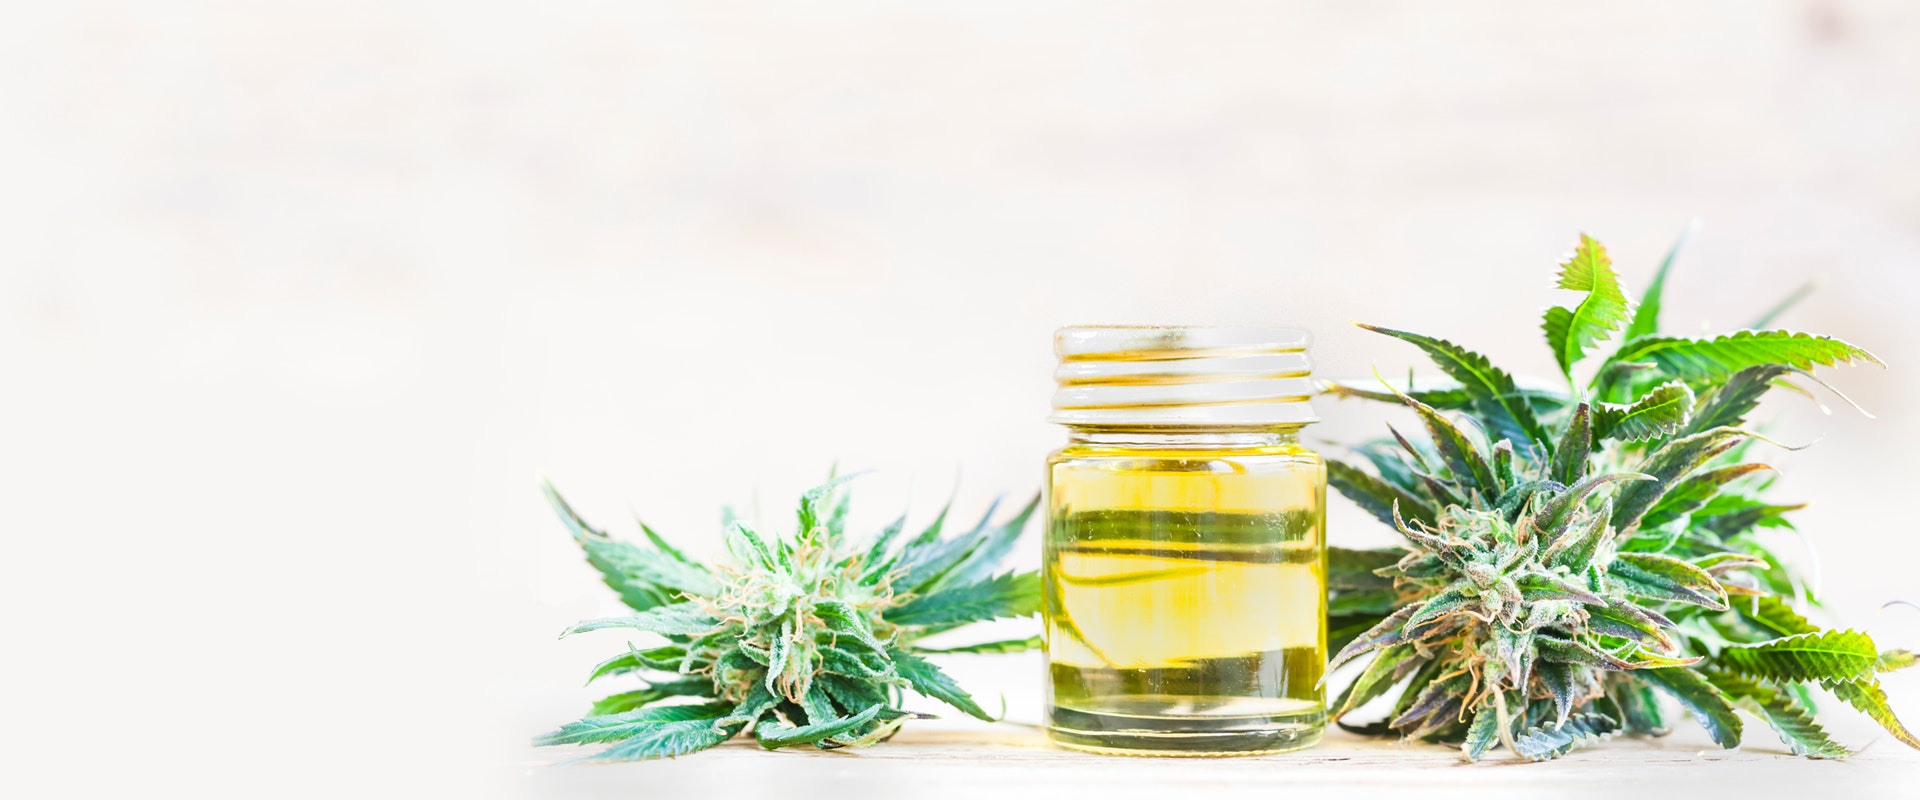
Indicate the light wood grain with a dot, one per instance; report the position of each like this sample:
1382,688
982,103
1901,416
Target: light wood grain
1013,760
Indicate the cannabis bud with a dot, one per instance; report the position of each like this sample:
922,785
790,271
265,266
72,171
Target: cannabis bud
1569,556
801,638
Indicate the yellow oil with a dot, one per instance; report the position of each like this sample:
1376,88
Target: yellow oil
1186,598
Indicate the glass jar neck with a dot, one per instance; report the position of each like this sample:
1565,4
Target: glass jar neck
1185,437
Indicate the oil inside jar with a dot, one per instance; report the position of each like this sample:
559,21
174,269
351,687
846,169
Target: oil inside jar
1185,600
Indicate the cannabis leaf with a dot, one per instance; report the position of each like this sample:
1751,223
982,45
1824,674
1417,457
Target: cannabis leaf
798,638
1867,696
1547,741
1571,331
1699,361
1709,707
1790,718
1492,390
1377,496
1812,656
1658,413
1008,595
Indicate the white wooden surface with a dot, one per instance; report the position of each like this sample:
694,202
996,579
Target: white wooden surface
1008,760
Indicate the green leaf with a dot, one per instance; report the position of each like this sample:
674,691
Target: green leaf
679,619
841,661
1708,706
817,706
665,658
1570,458
1723,563
1545,742
1728,402
843,620
1386,457
624,701
1495,397
1867,696
1388,631
575,524
1457,450
1668,465
1788,717
928,680
643,579
1540,586
931,534
1577,545
631,570
774,734
1729,515
1561,508
1379,676
878,558
1646,317
1445,394
788,669
1376,496
1437,706
759,702
667,740
1640,708
628,701
1482,733
1657,413
1449,396
1519,494
1627,621
1774,614
929,563
1007,595
1825,656
749,550
1423,678
819,507
660,543
1445,604
1003,646
611,727
1568,651
1571,331
1343,629
1349,569
1641,658
996,542
1895,660
1690,494
1664,578
1700,360
851,693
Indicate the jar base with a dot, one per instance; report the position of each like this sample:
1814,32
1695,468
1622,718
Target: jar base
1111,733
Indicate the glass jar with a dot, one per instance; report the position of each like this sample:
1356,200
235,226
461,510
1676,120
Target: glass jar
1185,552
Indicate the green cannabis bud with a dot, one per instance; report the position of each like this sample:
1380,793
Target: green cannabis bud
804,638
1571,555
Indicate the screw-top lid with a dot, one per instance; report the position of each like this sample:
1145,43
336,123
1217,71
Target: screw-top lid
1145,376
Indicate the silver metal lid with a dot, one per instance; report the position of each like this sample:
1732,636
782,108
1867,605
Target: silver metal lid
1143,376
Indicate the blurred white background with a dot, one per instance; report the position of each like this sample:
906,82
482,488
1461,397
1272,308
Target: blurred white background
299,299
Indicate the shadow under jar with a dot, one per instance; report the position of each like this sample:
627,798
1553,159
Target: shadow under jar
1185,551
